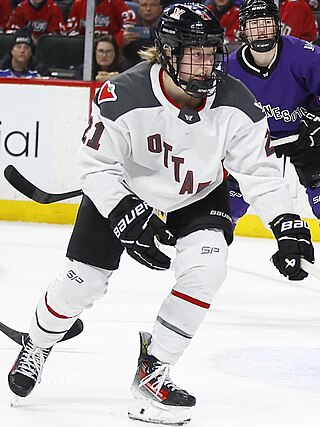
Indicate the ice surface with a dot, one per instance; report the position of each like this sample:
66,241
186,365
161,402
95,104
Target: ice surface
255,361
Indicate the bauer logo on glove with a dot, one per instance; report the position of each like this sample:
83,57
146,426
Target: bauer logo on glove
137,227
128,218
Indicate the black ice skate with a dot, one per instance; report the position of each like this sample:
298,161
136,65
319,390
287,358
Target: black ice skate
156,398
27,368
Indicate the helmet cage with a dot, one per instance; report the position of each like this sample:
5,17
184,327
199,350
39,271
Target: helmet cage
172,63
254,9
173,36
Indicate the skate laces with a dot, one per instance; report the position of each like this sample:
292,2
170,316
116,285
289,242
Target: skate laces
161,376
32,360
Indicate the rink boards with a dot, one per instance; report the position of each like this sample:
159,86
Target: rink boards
41,127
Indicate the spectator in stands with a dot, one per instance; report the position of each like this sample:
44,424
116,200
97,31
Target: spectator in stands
149,12
107,60
19,61
43,16
228,15
111,17
5,13
298,20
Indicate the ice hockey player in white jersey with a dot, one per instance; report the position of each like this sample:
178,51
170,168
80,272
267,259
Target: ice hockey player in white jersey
162,136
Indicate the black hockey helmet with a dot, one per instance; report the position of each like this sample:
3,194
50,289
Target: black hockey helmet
252,9
184,24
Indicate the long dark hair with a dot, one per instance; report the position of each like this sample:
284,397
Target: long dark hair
116,65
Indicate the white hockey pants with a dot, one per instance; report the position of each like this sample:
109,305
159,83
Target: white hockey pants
200,269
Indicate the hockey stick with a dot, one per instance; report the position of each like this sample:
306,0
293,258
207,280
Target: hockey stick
20,183
19,337
282,141
310,268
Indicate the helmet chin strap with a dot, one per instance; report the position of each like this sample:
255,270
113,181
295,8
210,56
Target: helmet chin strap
263,45
199,88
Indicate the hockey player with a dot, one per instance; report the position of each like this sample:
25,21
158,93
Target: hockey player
283,74
160,136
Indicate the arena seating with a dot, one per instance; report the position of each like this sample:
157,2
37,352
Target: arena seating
6,41
61,54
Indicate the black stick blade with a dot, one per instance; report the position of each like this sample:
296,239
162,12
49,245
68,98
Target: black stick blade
19,337
75,330
20,183
16,336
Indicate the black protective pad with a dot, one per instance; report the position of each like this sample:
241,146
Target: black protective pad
211,212
92,241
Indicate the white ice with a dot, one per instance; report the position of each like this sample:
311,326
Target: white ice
255,361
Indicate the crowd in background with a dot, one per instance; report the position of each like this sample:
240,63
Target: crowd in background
121,29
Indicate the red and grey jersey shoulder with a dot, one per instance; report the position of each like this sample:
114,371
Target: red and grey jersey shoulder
130,90
233,93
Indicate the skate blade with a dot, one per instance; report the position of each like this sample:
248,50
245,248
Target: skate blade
14,400
150,411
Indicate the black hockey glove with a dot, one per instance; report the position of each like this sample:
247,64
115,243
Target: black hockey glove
309,134
134,223
309,129
294,242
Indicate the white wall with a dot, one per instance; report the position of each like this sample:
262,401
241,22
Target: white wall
41,127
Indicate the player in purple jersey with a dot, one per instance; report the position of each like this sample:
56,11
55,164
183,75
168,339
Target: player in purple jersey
284,75
161,136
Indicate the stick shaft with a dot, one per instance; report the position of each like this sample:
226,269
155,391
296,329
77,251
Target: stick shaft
310,268
282,141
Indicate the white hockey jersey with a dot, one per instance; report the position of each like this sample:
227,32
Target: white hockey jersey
140,141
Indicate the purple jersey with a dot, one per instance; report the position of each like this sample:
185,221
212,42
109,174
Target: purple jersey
289,84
